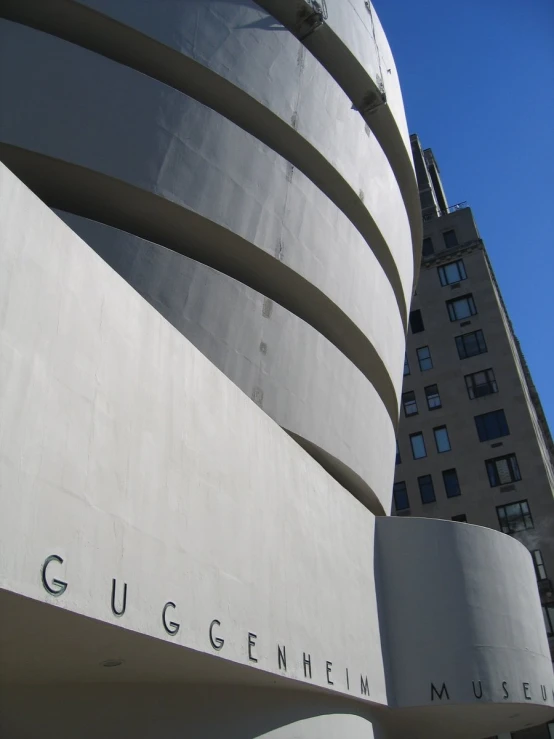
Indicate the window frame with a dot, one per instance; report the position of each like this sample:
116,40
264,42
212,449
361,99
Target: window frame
406,366
404,492
471,385
442,271
548,615
458,489
505,528
427,396
426,252
429,358
441,428
445,240
513,466
480,425
429,486
413,436
451,307
538,564
460,340
411,402
416,317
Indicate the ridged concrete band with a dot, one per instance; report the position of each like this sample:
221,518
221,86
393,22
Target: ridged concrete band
272,358
293,122
200,168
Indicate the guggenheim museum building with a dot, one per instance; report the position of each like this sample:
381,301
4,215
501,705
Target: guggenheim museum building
210,231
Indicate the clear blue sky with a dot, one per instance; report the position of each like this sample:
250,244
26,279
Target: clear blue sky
478,85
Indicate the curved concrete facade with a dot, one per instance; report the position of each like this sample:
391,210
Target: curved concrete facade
270,193
172,528
197,421
272,358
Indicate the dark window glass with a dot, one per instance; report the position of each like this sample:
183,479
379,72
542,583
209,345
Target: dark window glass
469,345
450,239
460,308
424,358
453,272
503,470
400,495
416,322
460,517
433,397
548,614
426,489
514,517
481,383
491,425
441,439
409,403
427,247
451,484
418,446
538,562
406,366
398,457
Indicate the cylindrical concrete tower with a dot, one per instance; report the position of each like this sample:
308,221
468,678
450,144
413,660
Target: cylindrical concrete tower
250,176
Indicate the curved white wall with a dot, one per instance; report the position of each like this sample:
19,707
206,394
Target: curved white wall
277,359
147,500
468,634
293,236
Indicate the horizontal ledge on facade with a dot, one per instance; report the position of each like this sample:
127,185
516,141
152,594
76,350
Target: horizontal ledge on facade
365,94
91,30
90,194
343,474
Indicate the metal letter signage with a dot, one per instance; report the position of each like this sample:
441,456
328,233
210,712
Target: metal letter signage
57,587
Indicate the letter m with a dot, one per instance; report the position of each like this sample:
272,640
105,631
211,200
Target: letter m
364,687
443,691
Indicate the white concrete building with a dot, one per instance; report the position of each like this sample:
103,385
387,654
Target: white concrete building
198,414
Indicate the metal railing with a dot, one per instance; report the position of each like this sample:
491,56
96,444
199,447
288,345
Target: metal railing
451,209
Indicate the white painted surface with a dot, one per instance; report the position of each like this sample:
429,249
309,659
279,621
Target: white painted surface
470,613
128,454
132,128
245,46
272,355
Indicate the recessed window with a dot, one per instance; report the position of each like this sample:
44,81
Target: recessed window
548,615
400,495
503,470
416,322
418,446
398,457
441,439
492,425
427,247
450,239
460,517
538,562
433,397
461,308
514,517
406,365
424,358
426,489
469,345
409,403
451,483
482,383
453,272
